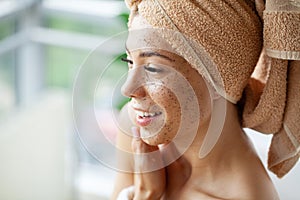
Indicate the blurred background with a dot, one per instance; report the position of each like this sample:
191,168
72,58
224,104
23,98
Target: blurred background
42,46
43,43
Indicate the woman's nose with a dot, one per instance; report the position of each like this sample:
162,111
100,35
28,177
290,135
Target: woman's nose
134,85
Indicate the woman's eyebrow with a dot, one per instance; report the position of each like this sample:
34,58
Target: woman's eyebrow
152,53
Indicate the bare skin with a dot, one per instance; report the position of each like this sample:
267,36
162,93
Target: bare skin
232,170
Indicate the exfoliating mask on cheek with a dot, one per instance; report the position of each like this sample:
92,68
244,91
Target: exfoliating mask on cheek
152,112
170,102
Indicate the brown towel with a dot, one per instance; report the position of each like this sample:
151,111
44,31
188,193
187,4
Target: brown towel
274,105
285,146
231,35
239,51
282,29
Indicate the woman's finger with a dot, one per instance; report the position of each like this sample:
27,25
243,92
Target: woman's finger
138,145
146,158
149,178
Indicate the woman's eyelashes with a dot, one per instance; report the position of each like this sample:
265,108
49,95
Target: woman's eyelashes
127,60
148,67
152,69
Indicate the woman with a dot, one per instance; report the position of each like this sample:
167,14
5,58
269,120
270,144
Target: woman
189,66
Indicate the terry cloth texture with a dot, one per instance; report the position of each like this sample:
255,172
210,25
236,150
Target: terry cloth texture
251,63
282,29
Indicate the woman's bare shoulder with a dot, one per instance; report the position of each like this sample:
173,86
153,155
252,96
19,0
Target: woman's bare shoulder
243,184
254,186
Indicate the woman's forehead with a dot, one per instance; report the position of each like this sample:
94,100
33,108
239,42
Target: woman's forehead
147,38
142,35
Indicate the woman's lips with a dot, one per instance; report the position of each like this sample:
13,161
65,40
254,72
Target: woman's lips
145,118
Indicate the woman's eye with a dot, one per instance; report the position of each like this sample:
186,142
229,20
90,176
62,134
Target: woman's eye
153,69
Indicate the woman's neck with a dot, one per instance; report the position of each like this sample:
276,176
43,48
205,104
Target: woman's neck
231,147
230,169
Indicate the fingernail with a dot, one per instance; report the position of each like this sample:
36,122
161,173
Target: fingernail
135,132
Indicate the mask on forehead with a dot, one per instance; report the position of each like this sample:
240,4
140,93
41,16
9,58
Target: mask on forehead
143,36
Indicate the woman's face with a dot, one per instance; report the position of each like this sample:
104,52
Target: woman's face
165,91
168,96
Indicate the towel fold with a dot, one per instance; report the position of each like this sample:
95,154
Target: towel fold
285,147
265,102
273,106
256,62
282,29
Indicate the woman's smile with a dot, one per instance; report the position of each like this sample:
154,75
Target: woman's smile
148,119
145,118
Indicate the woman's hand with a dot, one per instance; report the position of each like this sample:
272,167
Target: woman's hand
160,183
148,184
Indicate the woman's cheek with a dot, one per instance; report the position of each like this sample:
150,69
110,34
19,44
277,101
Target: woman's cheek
162,96
167,100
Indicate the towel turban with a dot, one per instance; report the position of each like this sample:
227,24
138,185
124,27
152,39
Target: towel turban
254,59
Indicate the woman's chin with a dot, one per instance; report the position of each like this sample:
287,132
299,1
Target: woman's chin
154,139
